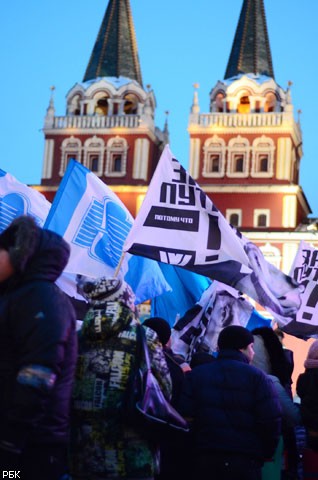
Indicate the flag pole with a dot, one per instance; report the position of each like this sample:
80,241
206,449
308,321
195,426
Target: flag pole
119,264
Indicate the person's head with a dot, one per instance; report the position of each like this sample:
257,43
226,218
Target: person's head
106,289
199,358
239,338
18,242
161,327
312,356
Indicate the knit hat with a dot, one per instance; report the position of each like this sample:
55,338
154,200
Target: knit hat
235,337
161,327
312,356
200,358
105,289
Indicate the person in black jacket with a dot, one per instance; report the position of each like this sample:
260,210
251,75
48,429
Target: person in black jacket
38,352
235,412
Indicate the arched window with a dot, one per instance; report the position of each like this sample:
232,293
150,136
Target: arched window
261,218
130,104
116,159
71,149
234,217
263,157
101,107
263,163
74,105
214,154
219,102
238,163
94,154
244,105
270,102
238,157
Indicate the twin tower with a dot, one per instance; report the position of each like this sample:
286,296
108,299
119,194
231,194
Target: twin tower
245,152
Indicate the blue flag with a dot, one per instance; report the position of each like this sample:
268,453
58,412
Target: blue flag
96,223
187,289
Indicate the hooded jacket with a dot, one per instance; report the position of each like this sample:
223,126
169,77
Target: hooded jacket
37,339
103,442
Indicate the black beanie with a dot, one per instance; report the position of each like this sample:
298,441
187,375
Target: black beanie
161,327
235,337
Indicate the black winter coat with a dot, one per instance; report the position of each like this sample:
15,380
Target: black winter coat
307,390
37,343
233,406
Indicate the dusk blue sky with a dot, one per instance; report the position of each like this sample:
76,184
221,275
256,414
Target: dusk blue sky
180,42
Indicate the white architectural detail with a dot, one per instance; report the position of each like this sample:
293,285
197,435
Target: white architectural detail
261,218
238,157
289,211
116,157
94,155
263,149
71,148
284,159
48,159
214,157
234,216
194,160
141,159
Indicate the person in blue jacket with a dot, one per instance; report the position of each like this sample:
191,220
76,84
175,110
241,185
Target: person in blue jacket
234,411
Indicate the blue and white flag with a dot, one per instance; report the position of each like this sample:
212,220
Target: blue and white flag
94,221
17,199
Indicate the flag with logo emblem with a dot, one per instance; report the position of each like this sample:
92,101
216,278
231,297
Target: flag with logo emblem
87,214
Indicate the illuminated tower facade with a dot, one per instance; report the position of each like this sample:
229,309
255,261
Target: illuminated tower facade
246,151
109,121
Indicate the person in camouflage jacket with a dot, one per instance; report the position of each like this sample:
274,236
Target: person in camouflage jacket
103,443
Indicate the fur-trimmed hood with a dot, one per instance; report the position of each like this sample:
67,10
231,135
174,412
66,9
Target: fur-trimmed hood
34,252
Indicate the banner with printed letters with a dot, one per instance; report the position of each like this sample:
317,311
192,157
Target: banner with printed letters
305,271
178,224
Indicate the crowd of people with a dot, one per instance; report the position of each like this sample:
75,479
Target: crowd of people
64,390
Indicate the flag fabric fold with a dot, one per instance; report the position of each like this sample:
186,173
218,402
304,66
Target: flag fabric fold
304,271
95,222
179,225
17,199
218,307
187,289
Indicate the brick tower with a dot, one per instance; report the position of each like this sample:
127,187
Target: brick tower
109,121
246,151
